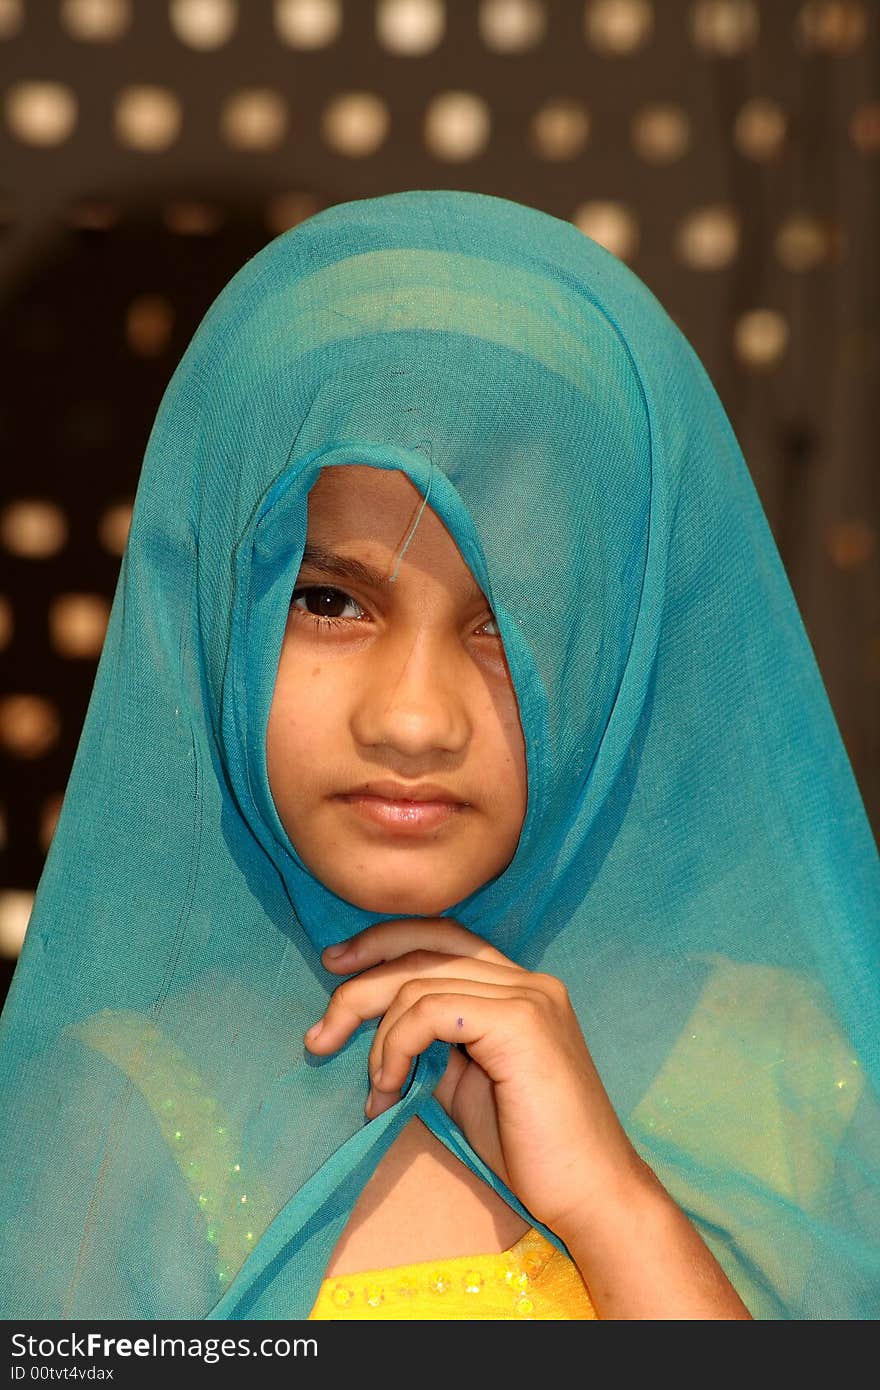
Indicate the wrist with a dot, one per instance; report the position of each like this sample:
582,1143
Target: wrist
626,1195
640,1257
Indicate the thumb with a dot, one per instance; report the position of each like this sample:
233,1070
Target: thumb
466,1094
444,1091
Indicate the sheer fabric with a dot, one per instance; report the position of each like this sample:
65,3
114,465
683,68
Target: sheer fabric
695,862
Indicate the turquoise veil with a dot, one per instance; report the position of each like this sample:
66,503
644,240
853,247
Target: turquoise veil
695,861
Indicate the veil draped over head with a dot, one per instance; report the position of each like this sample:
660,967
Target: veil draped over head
695,862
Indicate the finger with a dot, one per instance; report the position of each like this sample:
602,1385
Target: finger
386,941
371,994
445,1015
410,994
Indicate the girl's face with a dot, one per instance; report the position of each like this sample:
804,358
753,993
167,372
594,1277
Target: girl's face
395,753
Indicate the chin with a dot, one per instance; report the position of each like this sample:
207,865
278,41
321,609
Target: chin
415,901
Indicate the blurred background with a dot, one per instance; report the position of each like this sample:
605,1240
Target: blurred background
727,150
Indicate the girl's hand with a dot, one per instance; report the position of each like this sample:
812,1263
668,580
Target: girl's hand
526,1094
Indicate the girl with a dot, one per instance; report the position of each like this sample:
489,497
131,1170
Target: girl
461,905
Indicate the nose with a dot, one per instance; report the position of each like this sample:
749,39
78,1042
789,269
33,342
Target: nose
413,698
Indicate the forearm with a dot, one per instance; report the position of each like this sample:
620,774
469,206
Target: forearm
641,1258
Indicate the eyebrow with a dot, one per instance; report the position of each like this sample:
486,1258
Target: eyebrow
346,566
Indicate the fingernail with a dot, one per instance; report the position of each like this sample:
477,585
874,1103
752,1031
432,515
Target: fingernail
312,1033
334,952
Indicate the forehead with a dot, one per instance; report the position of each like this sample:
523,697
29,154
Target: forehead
352,496
370,513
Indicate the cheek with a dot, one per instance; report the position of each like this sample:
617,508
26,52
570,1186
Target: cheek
301,719
507,737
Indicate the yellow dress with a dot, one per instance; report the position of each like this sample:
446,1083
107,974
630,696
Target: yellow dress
531,1280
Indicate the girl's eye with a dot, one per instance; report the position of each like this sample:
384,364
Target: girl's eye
325,604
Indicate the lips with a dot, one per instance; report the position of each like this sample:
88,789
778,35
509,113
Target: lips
404,810
421,792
